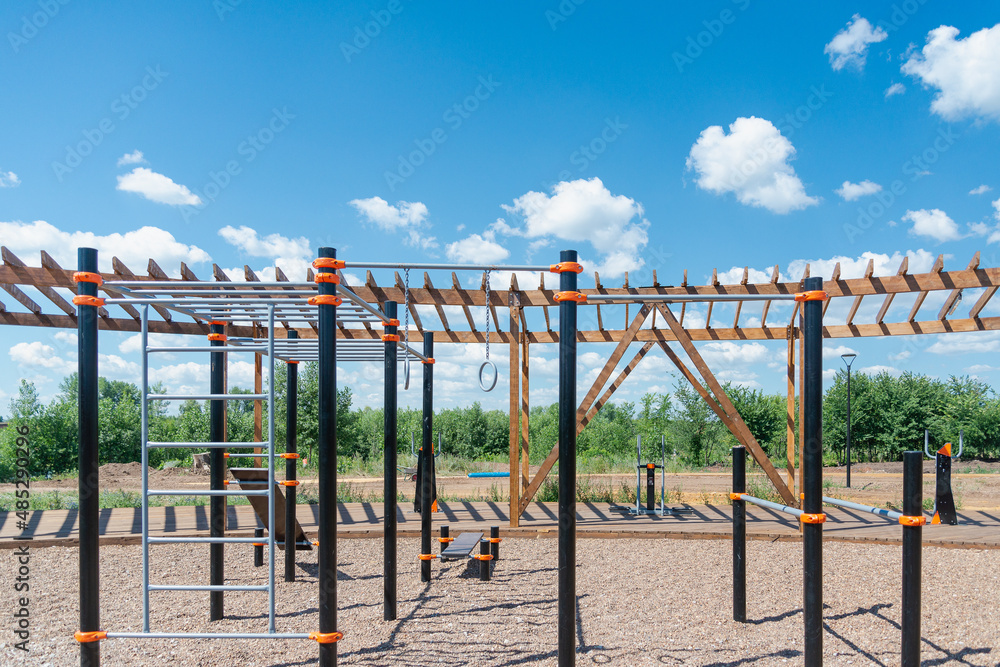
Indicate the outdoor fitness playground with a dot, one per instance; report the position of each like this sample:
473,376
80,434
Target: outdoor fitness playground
804,579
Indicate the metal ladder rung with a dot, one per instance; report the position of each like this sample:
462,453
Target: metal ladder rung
194,587
207,397
208,635
175,492
207,445
204,540
219,348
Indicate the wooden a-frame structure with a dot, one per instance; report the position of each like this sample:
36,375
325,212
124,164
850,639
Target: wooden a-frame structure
647,325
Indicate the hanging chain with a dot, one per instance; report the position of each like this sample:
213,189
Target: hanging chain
487,316
406,309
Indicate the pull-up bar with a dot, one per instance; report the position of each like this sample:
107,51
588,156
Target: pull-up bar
814,295
451,267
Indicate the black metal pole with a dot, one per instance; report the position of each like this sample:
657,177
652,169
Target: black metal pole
650,487
389,561
739,535
427,460
258,548
217,468
848,426
291,464
812,474
484,560
445,538
327,447
567,466
495,542
912,536
89,513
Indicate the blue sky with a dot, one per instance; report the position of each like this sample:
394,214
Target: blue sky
669,137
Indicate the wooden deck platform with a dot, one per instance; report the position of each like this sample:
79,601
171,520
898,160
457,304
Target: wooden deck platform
976,529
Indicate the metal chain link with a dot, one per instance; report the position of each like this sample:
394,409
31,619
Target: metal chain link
487,316
406,308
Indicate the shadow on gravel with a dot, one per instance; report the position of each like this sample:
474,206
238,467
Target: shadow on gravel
670,659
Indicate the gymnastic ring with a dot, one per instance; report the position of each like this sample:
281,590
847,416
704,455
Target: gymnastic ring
406,370
496,374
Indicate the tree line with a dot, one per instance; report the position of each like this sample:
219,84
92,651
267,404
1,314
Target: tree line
888,416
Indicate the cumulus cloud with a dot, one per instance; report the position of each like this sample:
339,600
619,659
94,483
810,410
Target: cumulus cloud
410,217
894,89
965,72
851,191
481,249
134,248
725,354
135,157
585,210
836,351
850,45
933,223
9,179
751,161
979,342
291,254
38,355
157,188
980,190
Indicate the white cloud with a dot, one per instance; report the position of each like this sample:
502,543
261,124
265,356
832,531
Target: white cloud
835,352
878,369
965,72
967,343
980,368
725,354
851,191
933,223
135,157
980,190
850,45
157,188
389,218
920,261
9,179
291,254
39,355
134,247
585,210
752,162
895,89
901,356
996,208
477,249
829,374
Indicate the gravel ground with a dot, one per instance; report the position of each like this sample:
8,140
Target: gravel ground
642,602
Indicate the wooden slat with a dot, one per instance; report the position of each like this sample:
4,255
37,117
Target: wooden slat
767,304
401,286
466,302
491,306
903,266
956,294
525,411
869,271
545,309
937,268
833,279
739,304
790,414
122,272
711,304
755,449
981,302
798,287
12,260
58,273
21,297
429,286
598,288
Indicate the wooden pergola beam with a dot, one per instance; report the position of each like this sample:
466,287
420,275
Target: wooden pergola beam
122,272
429,286
12,260
869,271
937,269
903,267
956,294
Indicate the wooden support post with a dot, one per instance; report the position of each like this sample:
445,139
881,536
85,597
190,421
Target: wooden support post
514,374
802,382
258,406
790,431
525,411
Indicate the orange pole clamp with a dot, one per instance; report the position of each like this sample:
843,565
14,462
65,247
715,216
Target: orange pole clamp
289,456
813,518
329,263
564,267
259,544
391,323
496,540
327,278
813,295
290,482
88,277
325,300
736,496
225,455
427,556
87,637
217,336
946,450
84,300
445,540
650,466
913,520
326,637
225,482
579,297
482,556
292,363
429,360
221,324
390,338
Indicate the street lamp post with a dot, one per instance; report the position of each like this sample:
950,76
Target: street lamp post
848,359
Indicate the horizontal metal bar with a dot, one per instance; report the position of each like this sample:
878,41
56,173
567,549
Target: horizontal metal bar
189,302
207,492
224,291
208,635
211,348
209,588
252,455
775,506
207,445
641,298
207,397
448,267
204,540
889,514
145,285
